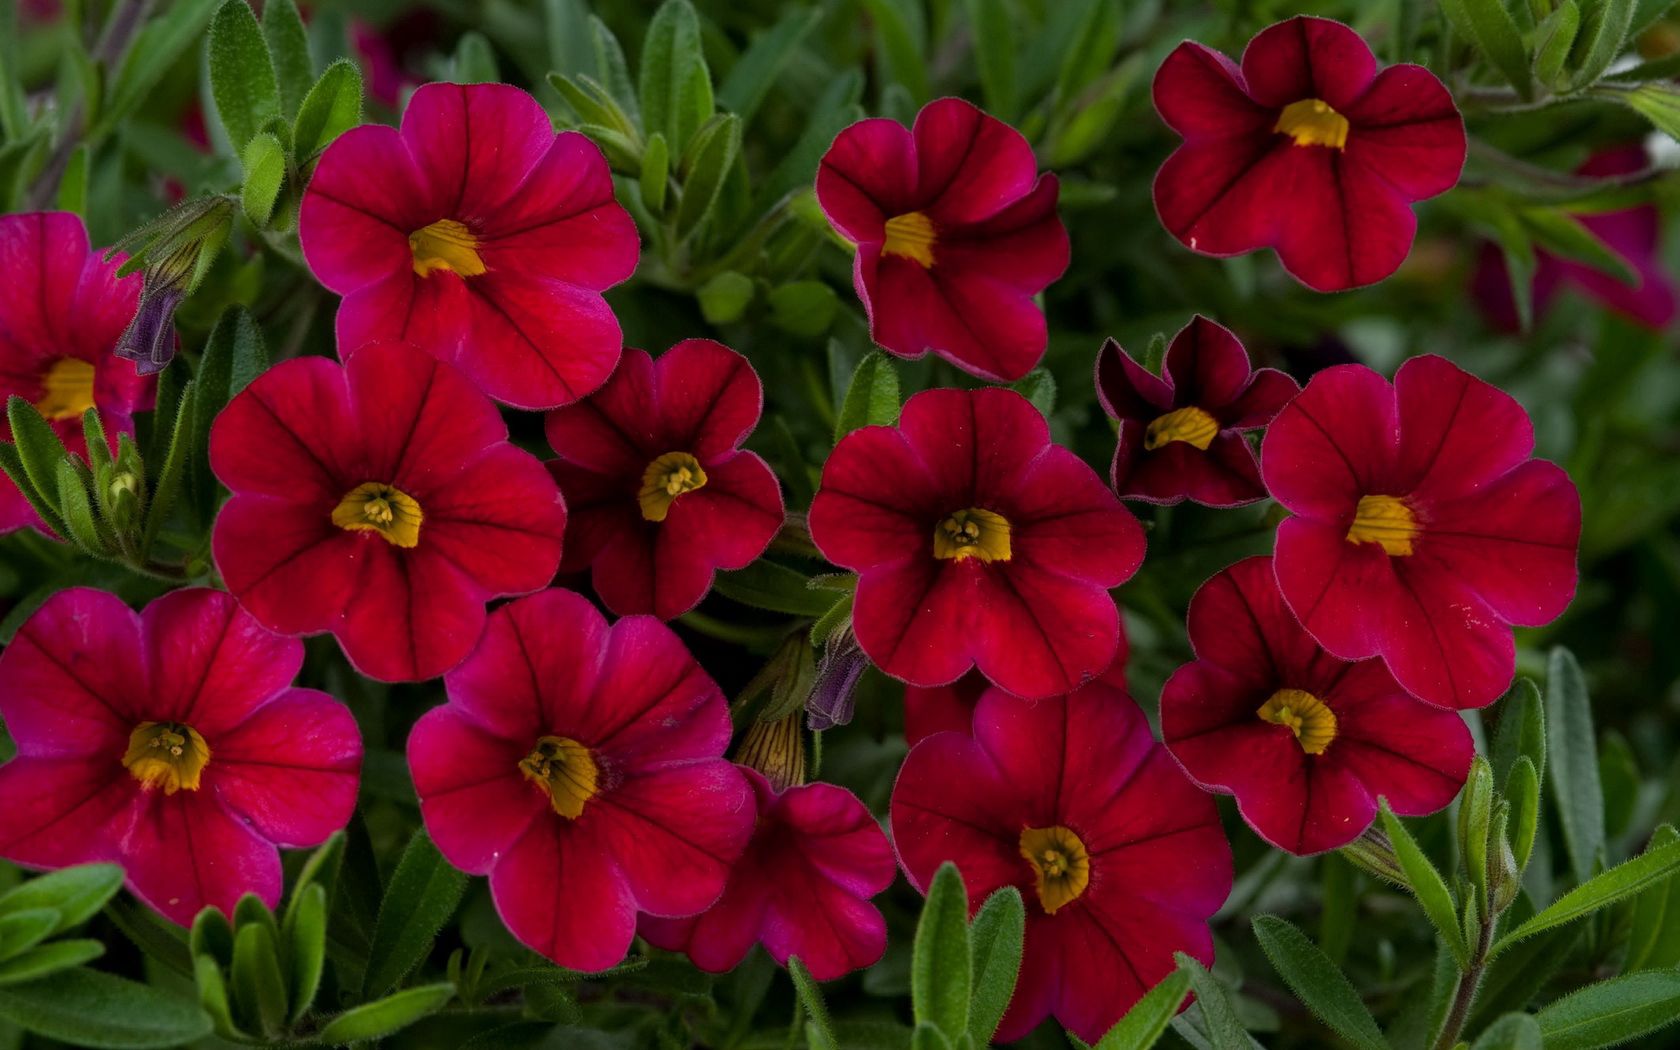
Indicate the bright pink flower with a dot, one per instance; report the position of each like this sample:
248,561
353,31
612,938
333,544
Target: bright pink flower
660,492
61,315
379,500
1120,858
171,742
1422,528
479,235
1181,433
977,543
950,708
1305,741
1308,148
579,766
802,888
956,232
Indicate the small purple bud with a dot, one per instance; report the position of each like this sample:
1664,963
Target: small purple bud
833,699
149,340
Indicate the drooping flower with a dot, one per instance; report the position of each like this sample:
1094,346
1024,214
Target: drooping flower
63,309
977,543
1181,433
956,232
479,235
659,491
1307,148
171,742
1422,528
580,767
1120,858
1307,742
379,500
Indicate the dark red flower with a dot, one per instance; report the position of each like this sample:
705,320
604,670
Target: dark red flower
660,492
1308,148
1120,858
1422,528
956,232
379,500
977,543
1181,433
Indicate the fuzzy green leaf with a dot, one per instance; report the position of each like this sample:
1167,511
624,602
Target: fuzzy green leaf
421,897
1317,982
242,78
996,937
1612,1012
1143,1024
1572,756
941,962
384,1016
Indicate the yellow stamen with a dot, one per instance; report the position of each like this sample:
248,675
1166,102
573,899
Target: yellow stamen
1311,122
665,479
66,389
380,508
972,533
910,236
566,770
776,749
1061,865
1308,717
166,755
1385,520
445,245
1190,425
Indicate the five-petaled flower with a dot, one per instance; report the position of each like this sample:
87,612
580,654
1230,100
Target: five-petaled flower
659,492
956,232
1119,856
379,500
1307,742
1181,433
1422,528
977,543
1307,148
479,235
172,742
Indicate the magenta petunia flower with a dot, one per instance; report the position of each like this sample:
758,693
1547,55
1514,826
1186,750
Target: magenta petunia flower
660,493
1307,742
1308,148
1422,528
977,543
956,232
580,767
479,235
1119,856
171,742
1181,433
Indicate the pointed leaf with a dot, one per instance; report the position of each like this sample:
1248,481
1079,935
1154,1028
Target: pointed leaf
1143,1024
941,964
871,397
288,49
1572,751
242,78
1601,891
1427,886
1612,1012
1511,1032
421,897
332,107
75,893
1317,982
996,934
384,1016
92,1009
818,1026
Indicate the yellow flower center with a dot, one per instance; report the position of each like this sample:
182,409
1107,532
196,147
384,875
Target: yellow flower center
1061,866
1190,425
1308,717
1311,122
910,236
665,479
166,755
1385,520
445,245
66,389
972,533
566,770
380,508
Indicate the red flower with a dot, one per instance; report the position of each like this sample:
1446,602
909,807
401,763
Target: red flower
956,232
479,235
381,501
60,317
1307,148
659,491
1120,858
579,766
1422,528
977,543
802,888
950,708
1181,433
171,742
1305,741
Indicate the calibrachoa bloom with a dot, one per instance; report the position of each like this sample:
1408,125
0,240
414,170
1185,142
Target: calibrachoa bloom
1304,740
1181,432
802,887
977,543
956,232
1422,528
659,491
479,235
63,310
1308,148
172,742
379,500
579,766
1119,856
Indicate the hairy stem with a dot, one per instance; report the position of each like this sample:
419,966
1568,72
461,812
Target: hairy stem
1468,985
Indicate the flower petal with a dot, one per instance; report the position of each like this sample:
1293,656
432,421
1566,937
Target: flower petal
563,222
364,200
971,166
475,802
914,620
1206,365
291,769
416,419
1200,93
560,892
1346,226
1220,197
675,832
1337,442
474,145
1441,641
969,317
291,567
1037,633
185,853
500,521
73,682
1407,129
877,504
255,446
1308,57
62,811
212,663
1127,390
1457,433
868,176
1025,245
535,669
709,398
1334,587
412,614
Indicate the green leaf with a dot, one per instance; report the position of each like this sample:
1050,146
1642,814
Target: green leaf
12,466
995,44
713,151
1317,982
1562,235
1219,1013
1657,101
212,994
676,87
805,308
898,37
1555,36
77,507
306,939
91,1009
941,964
871,397
75,893
332,107
1654,929
264,161
1039,387
724,298
234,355
1489,25
156,49
927,1036
835,108
1522,788
1604,31
655,180
819,1027
23,930
73,187
422,896
1572,751
751,77
47,959
996,937
174,468
242,79
1612,1011
767,585
38,447
1475,813
259,988
1143,1024
1511,1032
211,936
288,49
384,1016
1619,883
1521,729
474,61
1427,886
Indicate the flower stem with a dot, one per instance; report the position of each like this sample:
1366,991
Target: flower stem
1469,983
